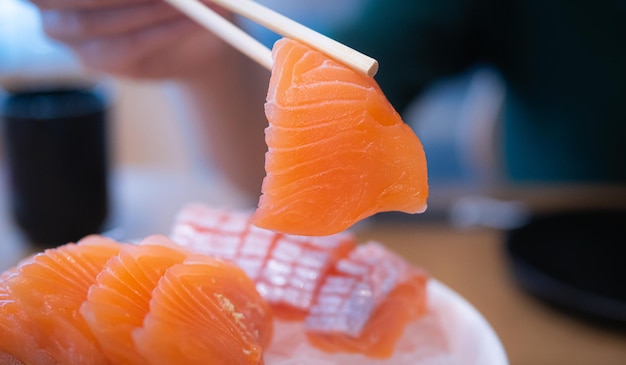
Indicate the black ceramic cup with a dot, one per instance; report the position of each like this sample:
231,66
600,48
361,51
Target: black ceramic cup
55,142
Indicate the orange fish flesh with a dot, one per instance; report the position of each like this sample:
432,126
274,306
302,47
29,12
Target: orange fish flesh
119,299
338,152
49,288
103,302
16,331
205,311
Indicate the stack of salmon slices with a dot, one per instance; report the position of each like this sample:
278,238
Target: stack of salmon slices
103,302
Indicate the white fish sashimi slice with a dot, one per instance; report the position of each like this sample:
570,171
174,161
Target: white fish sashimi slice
359,284
287,269
424,343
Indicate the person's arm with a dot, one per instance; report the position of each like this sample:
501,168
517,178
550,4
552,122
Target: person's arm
223,91
226,101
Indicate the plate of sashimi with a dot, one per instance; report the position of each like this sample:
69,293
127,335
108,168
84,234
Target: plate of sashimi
287,283
219,290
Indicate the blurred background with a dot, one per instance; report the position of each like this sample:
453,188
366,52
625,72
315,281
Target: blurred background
455,119
28,57
154,154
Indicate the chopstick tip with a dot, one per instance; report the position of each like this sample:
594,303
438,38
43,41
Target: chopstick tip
373,69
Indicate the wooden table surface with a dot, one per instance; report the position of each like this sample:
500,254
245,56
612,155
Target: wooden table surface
473,263
470,261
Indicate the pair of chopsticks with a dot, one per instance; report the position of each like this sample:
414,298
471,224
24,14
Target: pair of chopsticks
274,21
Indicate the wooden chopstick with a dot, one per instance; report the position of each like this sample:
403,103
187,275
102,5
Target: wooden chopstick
273,21
291,29
226,30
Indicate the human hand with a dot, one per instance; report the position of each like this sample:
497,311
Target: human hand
132,38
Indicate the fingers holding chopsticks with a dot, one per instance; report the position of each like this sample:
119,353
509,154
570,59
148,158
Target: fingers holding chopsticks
126,54
130,38
84,4
277,22
70,25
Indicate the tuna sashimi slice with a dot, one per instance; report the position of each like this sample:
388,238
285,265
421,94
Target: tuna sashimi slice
287,269
365,303
338,152
50,287
119,300
213,311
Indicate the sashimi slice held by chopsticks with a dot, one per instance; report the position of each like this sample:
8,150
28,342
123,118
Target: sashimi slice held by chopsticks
338,152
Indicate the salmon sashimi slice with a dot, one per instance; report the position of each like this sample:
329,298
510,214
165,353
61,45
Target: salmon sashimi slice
50,287
16,331
7,359
366,302
288,270
119,300
212,310
338,152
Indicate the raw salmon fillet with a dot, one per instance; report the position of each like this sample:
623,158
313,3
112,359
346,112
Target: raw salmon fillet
103,302
338,152
7,359
119,300
48,289
17,340
288,270
205,311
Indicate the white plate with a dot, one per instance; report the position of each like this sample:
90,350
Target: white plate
452,332
472,339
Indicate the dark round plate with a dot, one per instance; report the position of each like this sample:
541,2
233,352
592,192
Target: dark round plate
574,260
